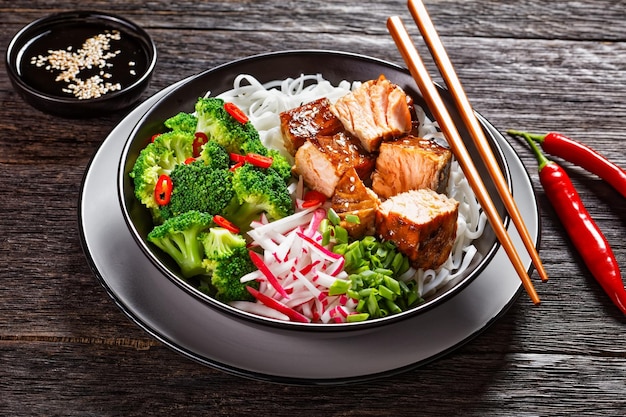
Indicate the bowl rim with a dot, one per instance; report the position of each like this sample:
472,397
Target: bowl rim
25,34
289,325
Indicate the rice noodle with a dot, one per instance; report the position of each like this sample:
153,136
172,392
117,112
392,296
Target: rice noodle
263,104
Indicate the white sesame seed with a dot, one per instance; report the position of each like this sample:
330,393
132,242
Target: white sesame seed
94,53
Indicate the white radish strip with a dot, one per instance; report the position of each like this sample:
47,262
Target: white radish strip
284,225
260,309
311,287
252,276
296,302
324,279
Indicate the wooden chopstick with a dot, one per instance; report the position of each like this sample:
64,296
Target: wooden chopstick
437,50
437,107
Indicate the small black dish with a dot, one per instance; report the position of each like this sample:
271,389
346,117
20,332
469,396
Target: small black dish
81,63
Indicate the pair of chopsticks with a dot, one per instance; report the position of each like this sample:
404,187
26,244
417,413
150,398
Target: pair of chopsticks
436,105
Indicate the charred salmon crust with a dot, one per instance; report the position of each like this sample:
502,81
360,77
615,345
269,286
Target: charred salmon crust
306,122
421,223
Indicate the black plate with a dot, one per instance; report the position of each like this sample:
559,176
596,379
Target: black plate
242,347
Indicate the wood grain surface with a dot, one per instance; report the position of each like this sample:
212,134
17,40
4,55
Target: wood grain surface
67,350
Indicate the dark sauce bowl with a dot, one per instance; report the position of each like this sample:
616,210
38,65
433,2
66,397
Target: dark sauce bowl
127,64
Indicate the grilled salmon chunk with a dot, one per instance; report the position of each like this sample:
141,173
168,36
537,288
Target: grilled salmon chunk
353,197
322,161
421,223
411,163
307,122
377,110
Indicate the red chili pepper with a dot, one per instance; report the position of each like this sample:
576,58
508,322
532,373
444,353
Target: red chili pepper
260,161
236,113
235,157
190,160
226,224
237,165
154,137
584,233
163,190
200,138
579,154
313,198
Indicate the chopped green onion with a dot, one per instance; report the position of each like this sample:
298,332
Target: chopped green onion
386,292
353,218
333,217
341,234
357,317
340,286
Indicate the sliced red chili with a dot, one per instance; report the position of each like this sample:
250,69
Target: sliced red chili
190,160
163,190
260,161
236,112
200,138
235,157
226,224
237,165
313,198
154,137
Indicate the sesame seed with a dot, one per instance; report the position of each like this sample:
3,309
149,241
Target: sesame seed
94,53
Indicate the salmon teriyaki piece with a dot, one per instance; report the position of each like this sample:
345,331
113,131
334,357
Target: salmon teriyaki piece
352,197
376,111
421,223
306,122
411,163
322,161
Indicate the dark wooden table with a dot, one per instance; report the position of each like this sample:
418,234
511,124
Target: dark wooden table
66,349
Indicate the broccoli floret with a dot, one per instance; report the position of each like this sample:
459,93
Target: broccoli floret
179,238
197,186
221,127
219,243
253,145
152,162
215,156
178,142
185,122
280,164
259,190
159,157
225,284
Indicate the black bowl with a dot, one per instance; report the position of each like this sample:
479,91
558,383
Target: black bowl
335,67
119,73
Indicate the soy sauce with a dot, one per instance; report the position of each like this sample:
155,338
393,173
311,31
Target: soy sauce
125,68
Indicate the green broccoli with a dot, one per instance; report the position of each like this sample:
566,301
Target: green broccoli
215,156
259,190
150,164
280,164
197,186
221,127
225,284
178,142
157,158
219,243
179,237
185,122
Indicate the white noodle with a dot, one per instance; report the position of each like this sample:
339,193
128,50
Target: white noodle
264,102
